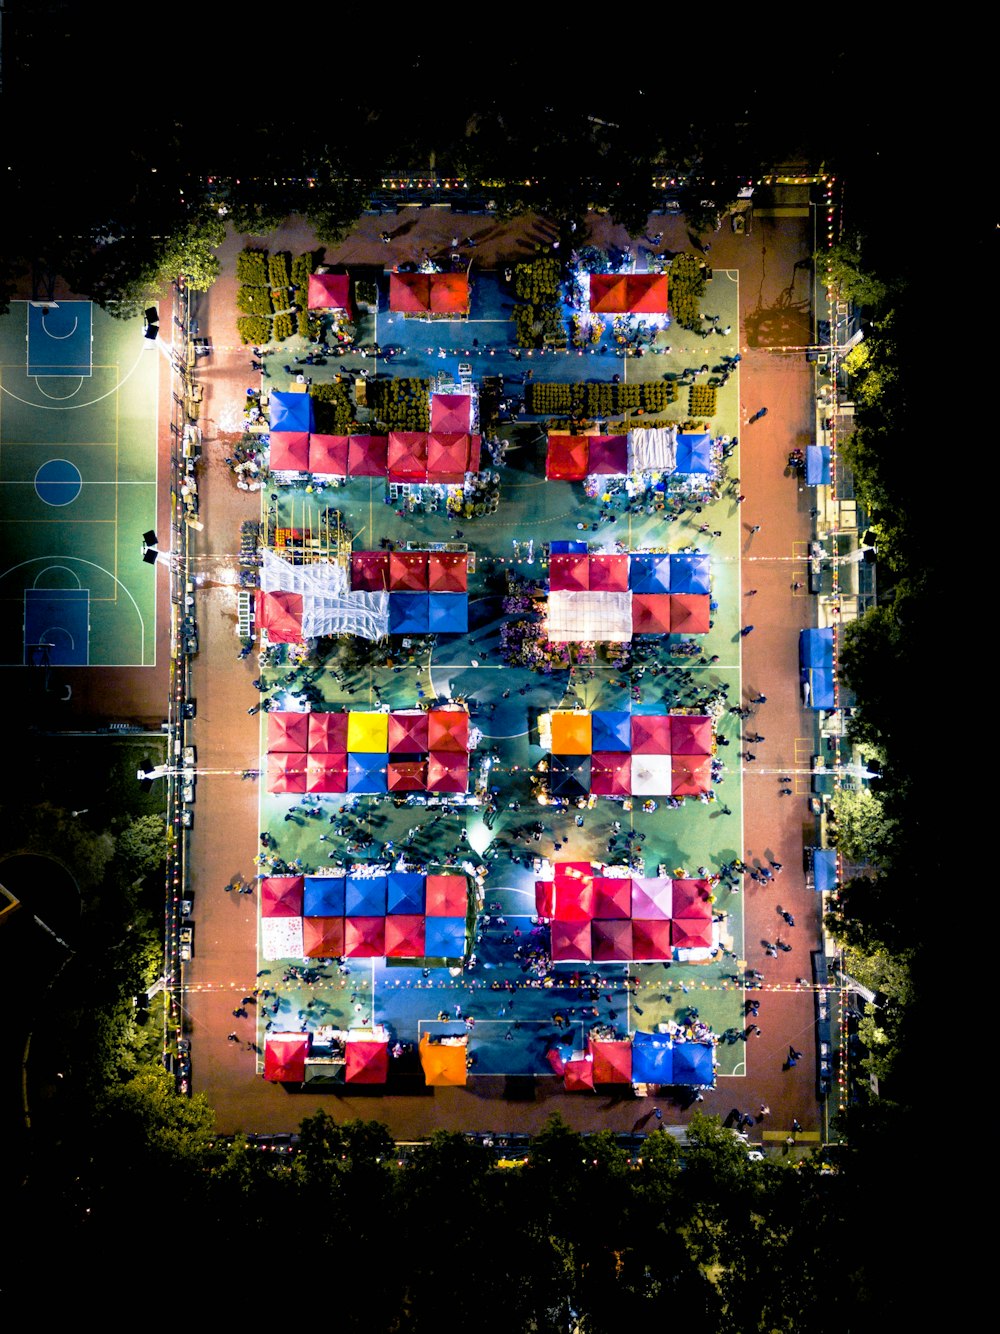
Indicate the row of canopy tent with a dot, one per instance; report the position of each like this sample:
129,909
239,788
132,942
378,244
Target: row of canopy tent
405,457
646,1058
613,754
299,602
608,597
396,915
429,294
628,293
366,1058
427,590
611,916
660,449
816,664
368,753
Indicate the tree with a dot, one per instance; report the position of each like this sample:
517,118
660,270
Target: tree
863,829
144,843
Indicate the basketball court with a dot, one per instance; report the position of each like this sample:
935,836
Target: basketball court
78,421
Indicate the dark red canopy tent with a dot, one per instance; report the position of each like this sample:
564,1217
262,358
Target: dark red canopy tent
408,733
611,940
327,731
367,1060
367,456
566,458
281,896
287,731
370,571
407,456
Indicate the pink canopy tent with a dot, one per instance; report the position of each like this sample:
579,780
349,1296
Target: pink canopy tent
329,291
447,772
610,773
652,898
286,771
364,937
650,734
569,573
285,1057
650,939
289,451
690,775
608,456
281,896
571,940
326,772
407,456
287,731
612,897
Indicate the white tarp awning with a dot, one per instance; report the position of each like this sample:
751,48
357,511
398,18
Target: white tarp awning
590,617
652,449
320,578
357,613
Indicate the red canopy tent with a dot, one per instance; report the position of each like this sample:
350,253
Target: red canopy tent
692,898
651,613
448,729
689,613
451,412
286,771
611,940
404,936
566,457
579,1075
327,731
691,933
280,614
690,735
447,772
289,451
612,897
329,291
448,572
429,293
446,896
447,457
610,773
690,775
449,293
281,896
322,937
367,456
367,1060
545,898
555,1059
326,771
287,731
608,293
650,939
573,890
608,456
364,937
569,573
328,455
608,573
407,776
408,571
612,1061
650,734
628,293
285,1057
571,940
407,456
370,571
408,733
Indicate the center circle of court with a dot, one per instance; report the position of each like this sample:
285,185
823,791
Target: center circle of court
58,482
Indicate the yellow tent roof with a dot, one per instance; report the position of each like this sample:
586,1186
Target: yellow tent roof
443,1063
570,733
368,732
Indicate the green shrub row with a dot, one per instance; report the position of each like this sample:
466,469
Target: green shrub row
402,404
254,300
253,329
687,284
595,399
278,272
536,281
251,268
701,400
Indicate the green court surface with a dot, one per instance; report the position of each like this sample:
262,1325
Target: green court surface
77,491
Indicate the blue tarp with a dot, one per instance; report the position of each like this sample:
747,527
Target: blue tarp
447,613
652,1059
323,896
405,893
445,937
824,868
649,572
694,454
291,412
367,772
693,1064
611,731
568,548
818,465
408,614
816,662
365,896
690,572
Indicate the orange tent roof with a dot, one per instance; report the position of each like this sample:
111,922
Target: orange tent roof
570,733
443,1062
448,730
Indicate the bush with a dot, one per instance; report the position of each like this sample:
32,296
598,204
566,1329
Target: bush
254,300
277,270
686,284
537,281
283,327
701,401
403,404
302,323
333,405
251,267
253,329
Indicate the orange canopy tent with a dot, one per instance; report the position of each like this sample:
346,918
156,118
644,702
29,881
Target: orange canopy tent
443,1062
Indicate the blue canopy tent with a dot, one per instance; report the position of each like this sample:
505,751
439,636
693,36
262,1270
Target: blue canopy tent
291,412
408,613
365,896
447,613
690,572
649,572
824,869
652,1059
694,454
817,465
693,1064
367,772
611,731
323,896
568,548
816,663
405,893
569,776
445,938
